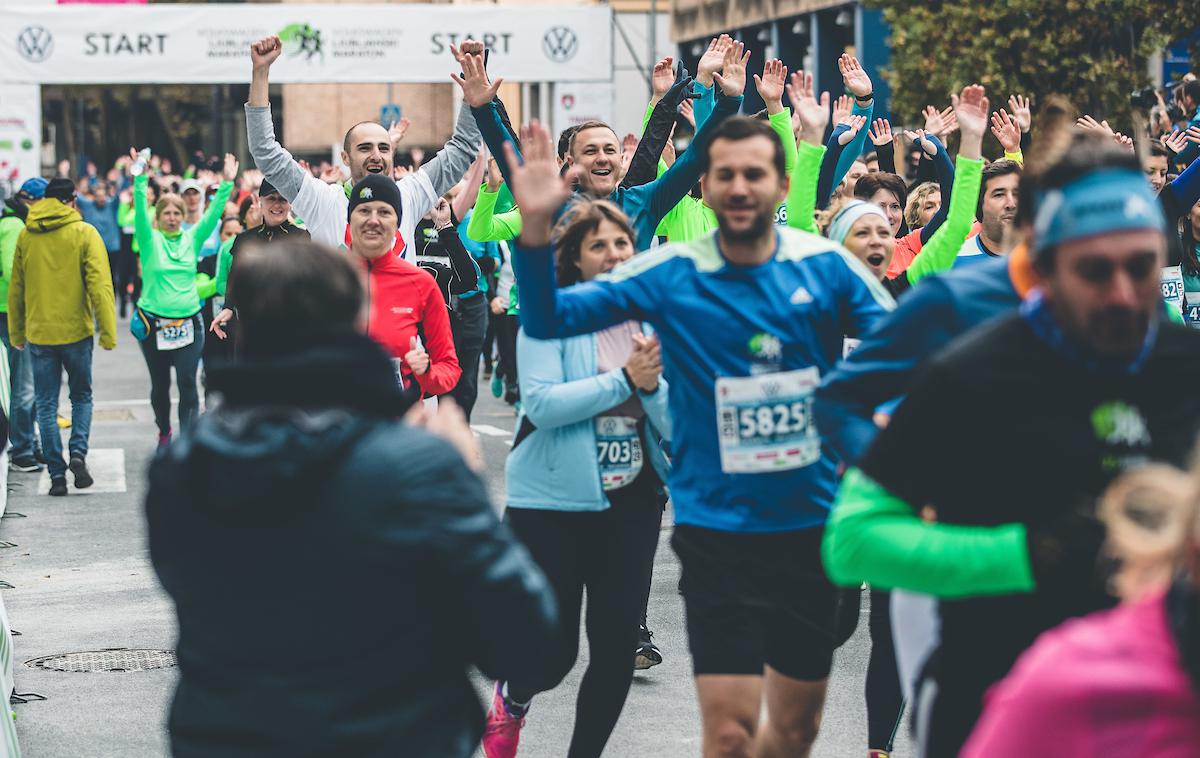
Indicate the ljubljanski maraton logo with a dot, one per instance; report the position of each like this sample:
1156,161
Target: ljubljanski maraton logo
35,43
560,44
301,39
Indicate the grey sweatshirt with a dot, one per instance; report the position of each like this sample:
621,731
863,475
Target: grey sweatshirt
324,206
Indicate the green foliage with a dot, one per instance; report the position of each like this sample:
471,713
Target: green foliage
1094,52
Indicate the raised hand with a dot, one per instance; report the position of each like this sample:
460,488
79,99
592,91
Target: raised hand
713,59
537,187
971,110
1019,105
1193,134
629,145
854,76
441,214
398,129
494,177
231,167
662,77
477,91
919,136
1124,141
688,111
881,132
265,51
771,84
1174,142
855,123
813,113
732,79
471,47
1089,124
842,108
1007,131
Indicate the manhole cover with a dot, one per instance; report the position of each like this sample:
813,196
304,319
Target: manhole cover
118,659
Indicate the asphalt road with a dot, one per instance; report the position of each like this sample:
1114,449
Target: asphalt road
83,582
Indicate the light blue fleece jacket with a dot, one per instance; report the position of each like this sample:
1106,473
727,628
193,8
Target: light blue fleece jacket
555,467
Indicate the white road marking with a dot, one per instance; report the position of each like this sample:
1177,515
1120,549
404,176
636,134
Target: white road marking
107,466
491,431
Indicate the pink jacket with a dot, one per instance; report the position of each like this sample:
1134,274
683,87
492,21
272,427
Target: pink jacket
1108,684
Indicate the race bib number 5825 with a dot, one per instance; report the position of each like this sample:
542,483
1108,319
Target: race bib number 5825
764,422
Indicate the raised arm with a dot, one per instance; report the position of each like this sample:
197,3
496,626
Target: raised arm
941,250
643,168
486,225
842,135
143,227
937,152
462,266
465,200
814,116
885,146
770,88
216,209
670,188
455,157
710,62
277,164
858,84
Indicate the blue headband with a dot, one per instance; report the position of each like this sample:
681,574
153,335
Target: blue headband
1102,202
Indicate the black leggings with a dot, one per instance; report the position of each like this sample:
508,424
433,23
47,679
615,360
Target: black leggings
884,698
611,553
186,361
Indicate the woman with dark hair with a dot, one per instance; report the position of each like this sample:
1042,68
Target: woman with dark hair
585,488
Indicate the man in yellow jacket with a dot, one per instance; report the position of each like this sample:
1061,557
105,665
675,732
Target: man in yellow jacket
60,288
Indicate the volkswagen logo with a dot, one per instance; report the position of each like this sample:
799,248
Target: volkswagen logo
560,44
35,43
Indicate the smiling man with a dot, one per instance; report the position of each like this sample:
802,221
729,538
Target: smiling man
367,149
998,196
750,484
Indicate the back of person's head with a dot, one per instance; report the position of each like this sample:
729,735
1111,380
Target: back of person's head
583,218
1191,89
291,293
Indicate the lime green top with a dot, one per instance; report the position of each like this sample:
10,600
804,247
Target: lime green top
487,225
169,260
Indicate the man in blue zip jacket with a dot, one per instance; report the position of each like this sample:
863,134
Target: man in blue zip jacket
749,318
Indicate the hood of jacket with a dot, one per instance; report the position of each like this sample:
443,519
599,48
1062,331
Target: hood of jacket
14,208
49,214
284,423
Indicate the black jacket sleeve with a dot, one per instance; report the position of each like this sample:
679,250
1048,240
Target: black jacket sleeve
462,265
643,168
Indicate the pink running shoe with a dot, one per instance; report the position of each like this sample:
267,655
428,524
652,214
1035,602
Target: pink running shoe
503,731
164,440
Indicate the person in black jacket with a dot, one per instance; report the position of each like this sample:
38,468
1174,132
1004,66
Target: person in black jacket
276,226
290,526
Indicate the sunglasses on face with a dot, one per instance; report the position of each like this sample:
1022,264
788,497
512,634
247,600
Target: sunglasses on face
1101,270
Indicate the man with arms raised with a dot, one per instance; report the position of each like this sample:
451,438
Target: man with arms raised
367,149
750,483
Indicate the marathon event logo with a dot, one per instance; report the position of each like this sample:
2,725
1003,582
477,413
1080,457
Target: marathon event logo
301,39
560,44
35,43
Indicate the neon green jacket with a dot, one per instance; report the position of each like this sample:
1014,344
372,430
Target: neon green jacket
169,260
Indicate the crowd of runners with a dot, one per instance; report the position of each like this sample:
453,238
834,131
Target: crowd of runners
949,381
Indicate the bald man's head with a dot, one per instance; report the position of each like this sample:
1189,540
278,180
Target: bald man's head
367,149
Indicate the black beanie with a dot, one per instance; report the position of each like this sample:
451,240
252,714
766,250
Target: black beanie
375,188
61,189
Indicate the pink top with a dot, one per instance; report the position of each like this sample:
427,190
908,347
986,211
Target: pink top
1108,684
614,345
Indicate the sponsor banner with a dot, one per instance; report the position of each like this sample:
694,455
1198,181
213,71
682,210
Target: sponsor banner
577,102
20,135
175,43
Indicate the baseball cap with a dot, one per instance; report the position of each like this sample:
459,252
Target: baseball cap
266,188
190,184
34,188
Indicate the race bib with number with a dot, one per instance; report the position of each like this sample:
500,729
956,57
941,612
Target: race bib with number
618,450
1193,308
175,333
1172,287
764,423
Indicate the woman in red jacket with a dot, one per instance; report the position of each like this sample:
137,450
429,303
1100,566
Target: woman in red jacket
405,311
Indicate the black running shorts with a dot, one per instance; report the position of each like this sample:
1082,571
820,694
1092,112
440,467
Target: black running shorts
755,599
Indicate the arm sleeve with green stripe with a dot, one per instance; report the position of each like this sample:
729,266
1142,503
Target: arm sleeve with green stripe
874,536
488,226
782,124
802,195
940,252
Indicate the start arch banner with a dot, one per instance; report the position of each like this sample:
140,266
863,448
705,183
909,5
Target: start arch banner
175,43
